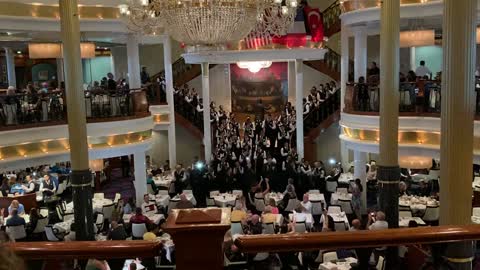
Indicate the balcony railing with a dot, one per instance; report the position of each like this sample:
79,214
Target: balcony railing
351,5
422,97
32,110
322,112
331,18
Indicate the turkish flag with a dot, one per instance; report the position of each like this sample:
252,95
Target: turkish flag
315,23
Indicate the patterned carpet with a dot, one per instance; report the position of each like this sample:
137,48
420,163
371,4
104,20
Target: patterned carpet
119,184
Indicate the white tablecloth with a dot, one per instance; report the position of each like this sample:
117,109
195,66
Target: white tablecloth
416,203
345,178
336,196
168,245
189,197
300,217
403,221
162,181
155,218
160,199
96,203
225,199
338,217
343,264
316,197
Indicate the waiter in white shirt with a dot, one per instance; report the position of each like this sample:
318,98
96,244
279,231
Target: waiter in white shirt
422,70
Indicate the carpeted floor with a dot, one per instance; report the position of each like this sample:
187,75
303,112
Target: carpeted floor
119,184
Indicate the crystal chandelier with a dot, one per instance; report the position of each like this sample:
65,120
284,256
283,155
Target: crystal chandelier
254,66
276,19
140,16
209,23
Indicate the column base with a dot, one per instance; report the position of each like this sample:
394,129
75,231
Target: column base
388,178
82,204
459,255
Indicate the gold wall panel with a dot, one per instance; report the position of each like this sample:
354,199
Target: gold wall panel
351,5
52,12
404,137
61,145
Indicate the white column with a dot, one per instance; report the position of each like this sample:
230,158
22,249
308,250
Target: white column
140,170
60,72
360,172
458,99
133,61
344,65
207,128
10,59
413,63
291,82
360,52
172,144
299,106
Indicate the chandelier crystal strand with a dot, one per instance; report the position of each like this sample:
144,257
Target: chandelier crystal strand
209,23
141,17
276,19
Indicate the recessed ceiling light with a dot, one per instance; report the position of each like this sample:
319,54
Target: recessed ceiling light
19,52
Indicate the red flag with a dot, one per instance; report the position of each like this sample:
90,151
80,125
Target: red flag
315,23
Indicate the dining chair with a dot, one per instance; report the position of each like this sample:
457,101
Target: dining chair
292,204
260,204
334,209
138,230
52,234
330,256
346,206
340,226
331,185
403,214
16,232
107,211
268,228
380,263
432,214
236,228
300,227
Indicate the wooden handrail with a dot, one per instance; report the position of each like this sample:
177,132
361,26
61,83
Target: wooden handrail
357,239
85,249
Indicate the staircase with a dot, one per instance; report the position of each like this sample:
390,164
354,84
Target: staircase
314,123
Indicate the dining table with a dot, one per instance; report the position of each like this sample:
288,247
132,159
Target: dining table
163,180
97,205
24,216
404,221
345,178
338,217
417,204
154,217
225,199
315,197
340,196
160,199
340,264
277,197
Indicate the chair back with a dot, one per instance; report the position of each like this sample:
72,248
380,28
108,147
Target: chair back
163,192
292,204
334,209
404,208
237,193
16,232
331,185
41,223
59,212
50,234
340,226
188,191
150,189
317,208
68,217
432,213
107,211
314,191
236,228
346,206
404,214
268,228
118,196
380,263
261,257
138,230
61,188
260,204
99,196
99,221
211,202
330,256
300,227
342,190
44,211
476,211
